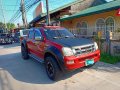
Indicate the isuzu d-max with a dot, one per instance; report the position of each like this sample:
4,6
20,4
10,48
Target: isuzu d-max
59,49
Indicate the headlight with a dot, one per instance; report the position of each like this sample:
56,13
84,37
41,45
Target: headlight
67,51
96,46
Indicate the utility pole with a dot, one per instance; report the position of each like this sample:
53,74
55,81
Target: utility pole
3,14
48,15
22,9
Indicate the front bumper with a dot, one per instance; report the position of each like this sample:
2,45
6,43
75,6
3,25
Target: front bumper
79,61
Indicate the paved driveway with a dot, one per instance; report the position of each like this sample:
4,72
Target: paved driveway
17,74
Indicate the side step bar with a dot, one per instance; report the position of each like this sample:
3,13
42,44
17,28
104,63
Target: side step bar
36,58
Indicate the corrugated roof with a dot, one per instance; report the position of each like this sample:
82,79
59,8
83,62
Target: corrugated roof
95,10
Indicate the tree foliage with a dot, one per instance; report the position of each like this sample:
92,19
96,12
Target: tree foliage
2,26
10,26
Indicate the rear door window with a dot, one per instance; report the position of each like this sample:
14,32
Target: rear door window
38,33
31,34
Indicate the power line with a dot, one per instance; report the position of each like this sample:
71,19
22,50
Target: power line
16,13
16,4
28,5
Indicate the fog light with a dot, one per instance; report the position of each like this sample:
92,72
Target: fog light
70,62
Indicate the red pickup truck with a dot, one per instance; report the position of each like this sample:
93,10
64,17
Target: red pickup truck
59,49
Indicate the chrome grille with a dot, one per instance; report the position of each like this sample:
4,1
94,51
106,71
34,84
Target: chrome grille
84,49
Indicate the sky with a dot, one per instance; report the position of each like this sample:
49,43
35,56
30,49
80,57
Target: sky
11,6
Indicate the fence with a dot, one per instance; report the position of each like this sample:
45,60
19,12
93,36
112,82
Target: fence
112,48
113,35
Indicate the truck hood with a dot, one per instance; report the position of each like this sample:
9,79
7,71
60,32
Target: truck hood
72,42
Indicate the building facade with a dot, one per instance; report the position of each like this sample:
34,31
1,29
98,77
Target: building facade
87,25
63,11
102,18
95,20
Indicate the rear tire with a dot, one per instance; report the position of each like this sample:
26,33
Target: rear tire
52,68
24,53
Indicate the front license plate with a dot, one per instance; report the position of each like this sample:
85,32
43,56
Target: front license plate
89,62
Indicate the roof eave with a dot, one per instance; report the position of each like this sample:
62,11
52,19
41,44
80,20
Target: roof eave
91,13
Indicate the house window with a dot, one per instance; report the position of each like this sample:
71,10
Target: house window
110,24
78,26
100,25
84,28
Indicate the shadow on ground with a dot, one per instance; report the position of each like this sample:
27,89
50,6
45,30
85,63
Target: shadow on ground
29,71
107,67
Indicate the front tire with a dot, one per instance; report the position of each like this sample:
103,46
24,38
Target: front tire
52,68
24,53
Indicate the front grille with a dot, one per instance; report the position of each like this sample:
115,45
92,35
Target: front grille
84,49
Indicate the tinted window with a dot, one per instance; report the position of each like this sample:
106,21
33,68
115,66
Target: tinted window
64,33
58,33
25,32
51,33
31,35
38,33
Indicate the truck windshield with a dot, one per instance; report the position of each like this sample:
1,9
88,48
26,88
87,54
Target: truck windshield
25,32
58,34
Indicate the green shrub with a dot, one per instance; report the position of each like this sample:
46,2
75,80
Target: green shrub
109,58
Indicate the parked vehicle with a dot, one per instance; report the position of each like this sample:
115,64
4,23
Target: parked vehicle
5,38
23,34
59,49
1,31
17,37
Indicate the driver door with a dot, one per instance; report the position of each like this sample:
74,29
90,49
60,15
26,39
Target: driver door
39,43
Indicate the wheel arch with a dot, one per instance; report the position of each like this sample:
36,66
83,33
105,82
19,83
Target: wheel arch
55,53
47,54
24,44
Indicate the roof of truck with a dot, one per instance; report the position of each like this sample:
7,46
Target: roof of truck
53,27
49,28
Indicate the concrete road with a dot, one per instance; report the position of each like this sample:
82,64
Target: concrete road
17,74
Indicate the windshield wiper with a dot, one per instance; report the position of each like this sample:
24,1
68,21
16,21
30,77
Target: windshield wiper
67,36
62,37
56,37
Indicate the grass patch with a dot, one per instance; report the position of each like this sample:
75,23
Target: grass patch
109,59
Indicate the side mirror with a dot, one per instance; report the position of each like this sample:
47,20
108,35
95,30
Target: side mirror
38,38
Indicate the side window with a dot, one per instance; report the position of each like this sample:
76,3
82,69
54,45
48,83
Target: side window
31,35
38,33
